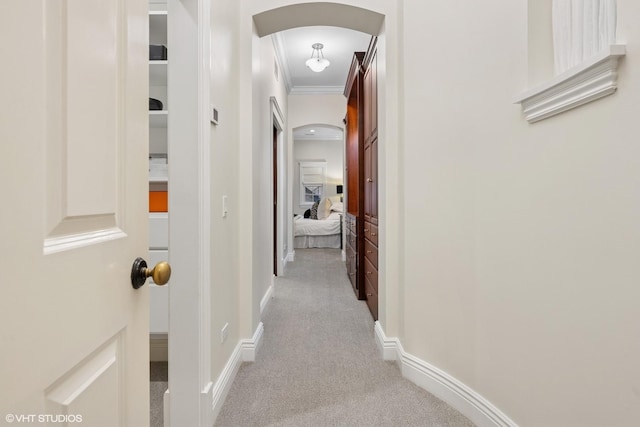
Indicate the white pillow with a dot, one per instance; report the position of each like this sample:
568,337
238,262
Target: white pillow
337,207
324,208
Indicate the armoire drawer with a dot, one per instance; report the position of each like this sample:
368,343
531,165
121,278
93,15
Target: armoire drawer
372,298
352,240
371,273
371,253
373,231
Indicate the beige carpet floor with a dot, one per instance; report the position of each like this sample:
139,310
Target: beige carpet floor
159,376
319,365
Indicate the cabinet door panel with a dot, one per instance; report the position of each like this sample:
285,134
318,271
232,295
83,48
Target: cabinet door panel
367,103
373,115
372,200
368,178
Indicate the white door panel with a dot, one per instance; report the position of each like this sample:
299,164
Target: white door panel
93,387
84,58
73,333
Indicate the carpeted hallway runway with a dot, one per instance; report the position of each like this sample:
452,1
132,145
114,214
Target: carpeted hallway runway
159,381
319,365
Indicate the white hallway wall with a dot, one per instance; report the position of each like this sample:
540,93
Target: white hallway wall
225,155
264,86
237,238
519,243
522,242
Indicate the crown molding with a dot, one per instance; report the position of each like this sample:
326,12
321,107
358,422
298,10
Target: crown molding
587,82
281,56
316,90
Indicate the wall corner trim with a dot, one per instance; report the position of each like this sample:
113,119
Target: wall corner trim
206,395
291,256
245,351
452,391
390,348
593,79
287,259
251,346
266,298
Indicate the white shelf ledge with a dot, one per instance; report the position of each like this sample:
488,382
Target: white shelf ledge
158,179
587,82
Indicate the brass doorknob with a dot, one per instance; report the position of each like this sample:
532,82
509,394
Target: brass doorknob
139,273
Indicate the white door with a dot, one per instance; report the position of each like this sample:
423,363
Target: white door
73,172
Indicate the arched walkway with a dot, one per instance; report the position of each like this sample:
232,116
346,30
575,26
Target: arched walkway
318,13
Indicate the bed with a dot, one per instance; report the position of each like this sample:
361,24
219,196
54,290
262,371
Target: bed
319,233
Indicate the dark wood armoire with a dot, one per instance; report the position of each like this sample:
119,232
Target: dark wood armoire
361,172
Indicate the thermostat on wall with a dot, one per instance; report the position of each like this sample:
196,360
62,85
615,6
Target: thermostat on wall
214,115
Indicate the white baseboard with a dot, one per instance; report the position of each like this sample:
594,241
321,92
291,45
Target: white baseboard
289,258
165,409
206,414
266,298
250,347
388,346
245,351
452,391
344,256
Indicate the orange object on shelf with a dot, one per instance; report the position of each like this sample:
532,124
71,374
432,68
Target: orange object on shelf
158,201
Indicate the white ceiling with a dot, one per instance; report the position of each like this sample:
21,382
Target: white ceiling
317,132
293,48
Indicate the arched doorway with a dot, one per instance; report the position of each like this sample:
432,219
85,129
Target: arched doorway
267,17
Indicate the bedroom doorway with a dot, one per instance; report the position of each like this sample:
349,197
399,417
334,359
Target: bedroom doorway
318,161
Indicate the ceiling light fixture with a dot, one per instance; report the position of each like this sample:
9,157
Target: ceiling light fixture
317,62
